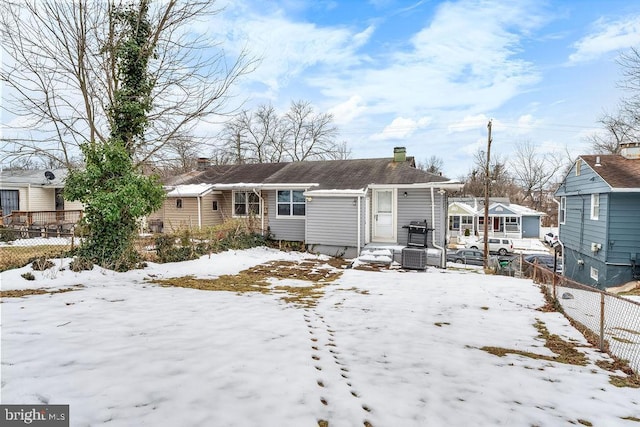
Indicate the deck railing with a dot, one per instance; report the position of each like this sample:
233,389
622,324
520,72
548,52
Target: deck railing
63,220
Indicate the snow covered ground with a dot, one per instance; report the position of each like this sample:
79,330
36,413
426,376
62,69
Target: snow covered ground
388,348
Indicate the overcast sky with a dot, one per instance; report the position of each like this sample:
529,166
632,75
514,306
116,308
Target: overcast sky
428,75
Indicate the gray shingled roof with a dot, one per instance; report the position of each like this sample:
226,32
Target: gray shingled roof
32,177
616,170
329,174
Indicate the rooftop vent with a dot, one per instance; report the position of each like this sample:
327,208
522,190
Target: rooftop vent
598,161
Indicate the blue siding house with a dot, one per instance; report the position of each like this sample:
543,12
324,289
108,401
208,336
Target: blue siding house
599,218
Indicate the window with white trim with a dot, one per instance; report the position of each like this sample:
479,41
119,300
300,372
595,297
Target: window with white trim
595,206
594,273
178,203
291,203
214,205
562,213
246,203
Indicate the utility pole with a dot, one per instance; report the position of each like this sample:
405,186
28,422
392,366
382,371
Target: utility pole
487,180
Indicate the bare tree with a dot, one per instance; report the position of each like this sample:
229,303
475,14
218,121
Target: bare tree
60,76
501,183
433,164
624,125
617,129
533,171
264,137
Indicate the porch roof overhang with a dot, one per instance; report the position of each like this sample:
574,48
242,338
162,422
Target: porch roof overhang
190,190
361,192
451,185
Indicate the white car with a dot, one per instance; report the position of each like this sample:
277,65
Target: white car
551,239
500,245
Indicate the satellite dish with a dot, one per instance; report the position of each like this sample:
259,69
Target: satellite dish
49,175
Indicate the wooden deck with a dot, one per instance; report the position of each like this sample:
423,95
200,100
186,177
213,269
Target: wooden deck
43,223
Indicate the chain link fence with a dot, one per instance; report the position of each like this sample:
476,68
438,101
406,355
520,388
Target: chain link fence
19,247
609,321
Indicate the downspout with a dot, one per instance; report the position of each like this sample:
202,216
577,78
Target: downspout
261,209
443,254
359,225
199,213
560,241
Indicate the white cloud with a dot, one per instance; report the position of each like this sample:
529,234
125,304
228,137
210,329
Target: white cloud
607,37
347,111
478,121
401,128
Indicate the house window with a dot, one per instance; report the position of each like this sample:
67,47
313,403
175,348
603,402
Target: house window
246,203
595,206
214,205
178,203
563,210
594,274
291,203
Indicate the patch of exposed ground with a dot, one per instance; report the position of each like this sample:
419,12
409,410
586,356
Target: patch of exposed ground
565,352
263,279
18,293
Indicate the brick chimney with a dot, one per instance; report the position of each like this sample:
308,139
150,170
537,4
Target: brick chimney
630,150
203,163
399,154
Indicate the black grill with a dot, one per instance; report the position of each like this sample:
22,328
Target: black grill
417,233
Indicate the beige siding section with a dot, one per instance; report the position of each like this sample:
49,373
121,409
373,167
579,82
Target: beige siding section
180,218
73,206
41,199
209,216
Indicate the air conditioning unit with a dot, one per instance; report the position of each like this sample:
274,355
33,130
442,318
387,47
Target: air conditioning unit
414,258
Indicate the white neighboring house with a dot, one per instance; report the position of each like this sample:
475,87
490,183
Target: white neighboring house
35,197
505,219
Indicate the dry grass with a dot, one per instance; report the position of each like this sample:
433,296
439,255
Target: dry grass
18,293
565,352
261,279
19,256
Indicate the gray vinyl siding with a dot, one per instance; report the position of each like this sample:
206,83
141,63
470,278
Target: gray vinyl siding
579,230
417,207
587,182
290,229
624,227
332,221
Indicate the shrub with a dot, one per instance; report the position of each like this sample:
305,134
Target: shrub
41,264
28,276
467,232
8,234
80,263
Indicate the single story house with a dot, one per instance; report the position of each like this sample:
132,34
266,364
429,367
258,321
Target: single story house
599,204
36,196
335,207
505,219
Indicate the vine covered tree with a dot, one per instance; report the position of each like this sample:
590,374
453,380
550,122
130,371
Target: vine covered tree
115,194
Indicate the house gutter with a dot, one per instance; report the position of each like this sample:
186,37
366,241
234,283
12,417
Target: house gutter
443,254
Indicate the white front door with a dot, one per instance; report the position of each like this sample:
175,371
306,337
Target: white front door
383,216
